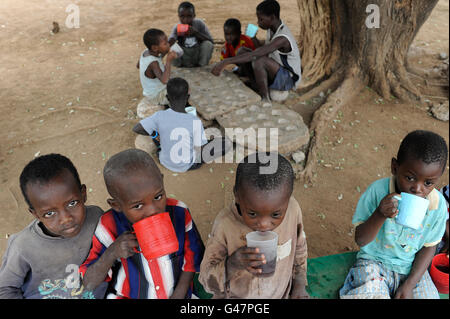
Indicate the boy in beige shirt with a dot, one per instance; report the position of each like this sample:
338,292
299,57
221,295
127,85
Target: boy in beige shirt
263,202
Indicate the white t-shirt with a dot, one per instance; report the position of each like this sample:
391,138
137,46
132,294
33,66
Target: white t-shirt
179,133
151,87
293,57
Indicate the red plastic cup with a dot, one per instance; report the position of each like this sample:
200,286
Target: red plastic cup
182,29
440,278
156,236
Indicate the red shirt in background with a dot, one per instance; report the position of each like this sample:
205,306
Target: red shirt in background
229,51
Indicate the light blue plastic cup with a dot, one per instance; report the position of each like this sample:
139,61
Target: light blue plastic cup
251,30
411,210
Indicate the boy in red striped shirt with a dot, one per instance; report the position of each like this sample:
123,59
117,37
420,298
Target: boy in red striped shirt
136,186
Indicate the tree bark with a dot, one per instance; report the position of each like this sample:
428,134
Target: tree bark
335,39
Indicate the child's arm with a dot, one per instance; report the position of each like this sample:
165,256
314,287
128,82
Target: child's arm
367,231
276,44
183,284
13,271
153,70
138,129
420,264
122,247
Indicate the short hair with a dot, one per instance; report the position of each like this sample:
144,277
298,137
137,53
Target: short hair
234,24
43,169
424,145
177,89
249,172
152,37
269,7
125,163
186,5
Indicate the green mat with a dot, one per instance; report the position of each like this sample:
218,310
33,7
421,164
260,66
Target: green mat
326,275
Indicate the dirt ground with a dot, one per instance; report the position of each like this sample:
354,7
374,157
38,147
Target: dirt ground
76,93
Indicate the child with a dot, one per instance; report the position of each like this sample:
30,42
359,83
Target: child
153,74
393,259
181,134
136,187
263,202
197,42
276,65
42,260
234,39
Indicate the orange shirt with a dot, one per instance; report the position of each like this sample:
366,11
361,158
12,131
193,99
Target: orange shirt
229,51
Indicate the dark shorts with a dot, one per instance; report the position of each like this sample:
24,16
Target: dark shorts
283,80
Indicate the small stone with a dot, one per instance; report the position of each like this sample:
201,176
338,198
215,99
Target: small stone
443,56
298,157
440,111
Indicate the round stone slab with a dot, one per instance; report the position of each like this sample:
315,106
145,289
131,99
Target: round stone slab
254,126
213,95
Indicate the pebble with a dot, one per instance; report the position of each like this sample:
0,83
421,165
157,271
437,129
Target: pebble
443,56
298,156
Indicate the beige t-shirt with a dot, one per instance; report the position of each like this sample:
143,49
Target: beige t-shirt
228,234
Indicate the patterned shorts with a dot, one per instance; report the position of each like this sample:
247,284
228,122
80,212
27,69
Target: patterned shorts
369,279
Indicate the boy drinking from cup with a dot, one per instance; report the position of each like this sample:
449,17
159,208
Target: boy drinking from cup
137,192
393,258
193,36
263,202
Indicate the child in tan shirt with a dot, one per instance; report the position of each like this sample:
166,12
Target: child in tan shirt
263,202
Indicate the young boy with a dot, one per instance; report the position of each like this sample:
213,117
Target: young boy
276,64
42,260
181,134
263,202
153,74
234,39
197,42
136,187
393,259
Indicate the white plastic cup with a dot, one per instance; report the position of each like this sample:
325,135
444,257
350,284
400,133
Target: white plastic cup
267,242
251,30
191,110
411,210
177,49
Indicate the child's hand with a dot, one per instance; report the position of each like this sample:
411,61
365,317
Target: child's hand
217,69
388,206
123,246
171,55
248,258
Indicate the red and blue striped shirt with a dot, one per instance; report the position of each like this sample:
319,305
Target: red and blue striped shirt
136,277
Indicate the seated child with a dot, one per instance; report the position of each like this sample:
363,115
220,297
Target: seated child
153,74
263,202
393,259
42,260
136,187
181,134
235,41
197,42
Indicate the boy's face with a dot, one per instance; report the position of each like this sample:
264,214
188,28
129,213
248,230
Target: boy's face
59,205
416,177
139,195
262,211
231,36
186,16
264,21
163,47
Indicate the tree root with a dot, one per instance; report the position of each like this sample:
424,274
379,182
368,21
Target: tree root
350,86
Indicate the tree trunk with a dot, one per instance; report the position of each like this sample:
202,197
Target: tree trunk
340,41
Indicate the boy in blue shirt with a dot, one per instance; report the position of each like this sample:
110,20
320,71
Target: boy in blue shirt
393,259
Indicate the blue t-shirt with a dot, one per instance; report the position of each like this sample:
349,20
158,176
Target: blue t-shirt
396,245
179,134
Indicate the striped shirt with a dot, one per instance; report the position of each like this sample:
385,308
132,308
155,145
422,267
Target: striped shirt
136,277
